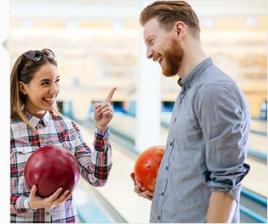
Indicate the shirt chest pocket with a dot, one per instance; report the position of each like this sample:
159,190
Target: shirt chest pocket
19,158
23,153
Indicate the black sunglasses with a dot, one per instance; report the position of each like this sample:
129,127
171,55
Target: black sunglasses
36,55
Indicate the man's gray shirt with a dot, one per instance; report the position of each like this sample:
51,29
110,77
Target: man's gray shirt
206,147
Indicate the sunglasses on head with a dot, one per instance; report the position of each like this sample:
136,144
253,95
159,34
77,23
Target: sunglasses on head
36,55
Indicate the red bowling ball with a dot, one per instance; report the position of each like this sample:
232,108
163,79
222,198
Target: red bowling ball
147,166
49,168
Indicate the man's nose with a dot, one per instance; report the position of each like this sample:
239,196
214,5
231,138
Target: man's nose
149,53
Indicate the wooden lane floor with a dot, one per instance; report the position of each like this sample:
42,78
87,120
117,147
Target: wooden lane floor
256,179
257,173
258,142
257,126
118,191
257,138
126,125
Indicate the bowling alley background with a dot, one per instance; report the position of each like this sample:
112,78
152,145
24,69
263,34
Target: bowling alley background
98,45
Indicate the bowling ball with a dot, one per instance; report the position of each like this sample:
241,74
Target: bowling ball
49,168
147,166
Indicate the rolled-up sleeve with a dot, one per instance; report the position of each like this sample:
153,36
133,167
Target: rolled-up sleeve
19,204
224,120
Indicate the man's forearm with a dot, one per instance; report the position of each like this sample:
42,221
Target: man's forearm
221,208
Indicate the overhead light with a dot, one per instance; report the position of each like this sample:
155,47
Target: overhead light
26,24
207,23
251,21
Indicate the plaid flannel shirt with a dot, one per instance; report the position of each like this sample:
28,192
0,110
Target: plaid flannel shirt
95,164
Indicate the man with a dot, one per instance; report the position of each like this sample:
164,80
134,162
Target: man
200,176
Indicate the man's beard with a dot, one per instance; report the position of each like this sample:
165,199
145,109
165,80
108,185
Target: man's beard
172,59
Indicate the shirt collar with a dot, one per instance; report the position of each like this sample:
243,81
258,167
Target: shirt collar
38,122
187,80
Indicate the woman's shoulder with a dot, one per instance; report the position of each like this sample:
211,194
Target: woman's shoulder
17,123
18,129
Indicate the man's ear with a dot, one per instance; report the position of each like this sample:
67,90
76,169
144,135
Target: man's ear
22,88
180,28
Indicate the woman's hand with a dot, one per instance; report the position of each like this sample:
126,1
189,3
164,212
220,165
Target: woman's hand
104,112
49,202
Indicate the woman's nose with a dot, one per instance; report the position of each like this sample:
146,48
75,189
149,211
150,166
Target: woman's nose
54,89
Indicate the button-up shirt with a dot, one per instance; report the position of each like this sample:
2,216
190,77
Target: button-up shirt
206,147
55,130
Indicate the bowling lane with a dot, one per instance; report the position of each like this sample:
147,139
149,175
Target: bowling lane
89,209
135,209
259,126
165,117
256,126
118,191
258,142
127,124
91,206
124,124
256,179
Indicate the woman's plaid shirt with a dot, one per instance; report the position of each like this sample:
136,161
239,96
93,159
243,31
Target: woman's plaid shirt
95,164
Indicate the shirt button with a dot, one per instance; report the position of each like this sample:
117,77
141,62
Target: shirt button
158,217
170,143
175,119
162,193
47,213
166,167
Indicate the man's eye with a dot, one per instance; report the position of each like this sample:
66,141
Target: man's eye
151,42
44,83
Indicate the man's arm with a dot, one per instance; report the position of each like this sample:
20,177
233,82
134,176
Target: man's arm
221,208
224,118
